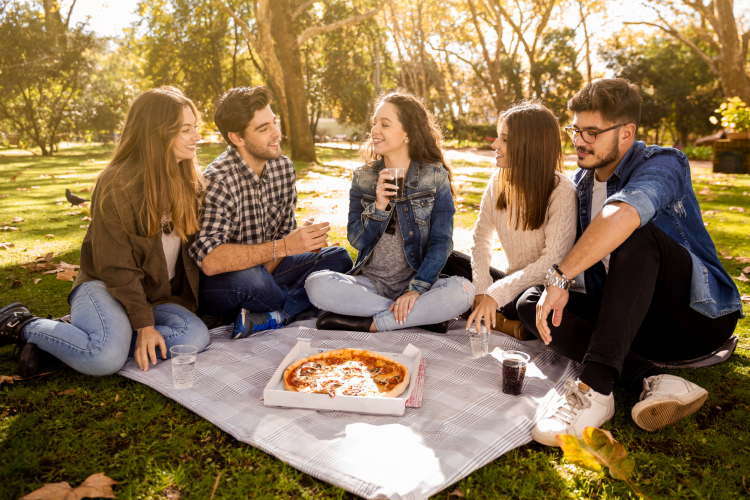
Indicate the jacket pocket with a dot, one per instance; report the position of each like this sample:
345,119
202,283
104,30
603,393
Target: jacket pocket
422,208
142,249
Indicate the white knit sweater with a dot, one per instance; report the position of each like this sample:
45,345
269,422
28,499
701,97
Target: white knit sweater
530,253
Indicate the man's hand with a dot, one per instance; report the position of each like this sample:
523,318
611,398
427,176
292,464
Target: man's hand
484,311
145,346
403,305
552,299
306,238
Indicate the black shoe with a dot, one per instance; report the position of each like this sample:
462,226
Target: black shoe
333,321
13,318
438,327
33,360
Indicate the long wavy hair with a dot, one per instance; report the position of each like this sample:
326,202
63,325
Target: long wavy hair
421,127
534,154
144,168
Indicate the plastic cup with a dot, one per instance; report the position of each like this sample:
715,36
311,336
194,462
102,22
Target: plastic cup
479,341
183,365
399,177
514,371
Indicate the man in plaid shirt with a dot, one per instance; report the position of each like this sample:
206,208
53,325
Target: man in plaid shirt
254,259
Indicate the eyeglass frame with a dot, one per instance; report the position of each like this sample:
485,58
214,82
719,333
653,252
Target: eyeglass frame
578,132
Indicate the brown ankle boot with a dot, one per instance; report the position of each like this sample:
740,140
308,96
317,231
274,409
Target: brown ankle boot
510,327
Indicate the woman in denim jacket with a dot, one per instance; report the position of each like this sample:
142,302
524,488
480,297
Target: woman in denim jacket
403,242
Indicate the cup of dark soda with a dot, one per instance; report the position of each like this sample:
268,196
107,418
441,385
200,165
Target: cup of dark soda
514,371
399,176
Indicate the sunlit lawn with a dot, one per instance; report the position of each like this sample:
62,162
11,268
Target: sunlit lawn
157,449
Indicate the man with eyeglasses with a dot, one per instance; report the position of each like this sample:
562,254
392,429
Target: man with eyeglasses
655,289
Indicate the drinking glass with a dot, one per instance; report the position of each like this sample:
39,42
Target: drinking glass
479,341
183,365
399,177
514,371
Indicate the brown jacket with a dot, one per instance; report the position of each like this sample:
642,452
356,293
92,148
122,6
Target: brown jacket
117,251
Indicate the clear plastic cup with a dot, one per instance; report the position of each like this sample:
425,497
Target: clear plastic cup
514,371
399,177
183,365
479,341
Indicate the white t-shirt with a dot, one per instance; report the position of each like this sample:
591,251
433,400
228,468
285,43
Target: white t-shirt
597,203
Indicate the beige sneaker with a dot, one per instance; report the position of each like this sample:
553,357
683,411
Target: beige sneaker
665,400
584,407
510,327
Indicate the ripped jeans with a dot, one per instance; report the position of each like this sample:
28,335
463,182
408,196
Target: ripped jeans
356,296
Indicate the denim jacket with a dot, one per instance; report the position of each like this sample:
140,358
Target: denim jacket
656,182
425,216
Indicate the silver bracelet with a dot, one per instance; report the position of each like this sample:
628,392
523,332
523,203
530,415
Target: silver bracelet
274,250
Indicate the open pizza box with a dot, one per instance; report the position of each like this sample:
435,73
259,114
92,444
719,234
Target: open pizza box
275,394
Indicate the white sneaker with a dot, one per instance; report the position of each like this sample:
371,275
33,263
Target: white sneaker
584,407
665,400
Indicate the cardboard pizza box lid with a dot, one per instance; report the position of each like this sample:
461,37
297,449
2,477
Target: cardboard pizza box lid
275,394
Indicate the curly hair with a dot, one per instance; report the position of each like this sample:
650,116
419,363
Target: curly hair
421,127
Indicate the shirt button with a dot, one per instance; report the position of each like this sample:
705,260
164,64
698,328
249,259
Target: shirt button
406,209
412,254
583,211
411,232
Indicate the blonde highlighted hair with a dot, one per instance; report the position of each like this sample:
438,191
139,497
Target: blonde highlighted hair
144,167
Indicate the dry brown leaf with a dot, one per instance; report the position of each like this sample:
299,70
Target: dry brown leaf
46,257
83,226
67,275
13,178
737,209
43,265
725,255
55,219
745,299
8,228
705,191
746,270
6,246
37,280
66,392
95,486
707,199
743,260
16,283
8,378
742,277
117,398
48,236
4,195
86,218
17,219
456,493
72,213
711,212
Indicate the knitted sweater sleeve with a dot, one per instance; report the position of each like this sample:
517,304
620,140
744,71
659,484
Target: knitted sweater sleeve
481,249
559,237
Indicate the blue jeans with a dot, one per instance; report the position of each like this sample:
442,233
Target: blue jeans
100,339
257,290
356,296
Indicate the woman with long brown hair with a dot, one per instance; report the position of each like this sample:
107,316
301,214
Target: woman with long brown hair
137,286
403,231
531,205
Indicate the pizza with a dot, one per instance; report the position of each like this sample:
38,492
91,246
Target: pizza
347,372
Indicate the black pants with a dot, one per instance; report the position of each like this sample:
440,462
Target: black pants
459,264
644,313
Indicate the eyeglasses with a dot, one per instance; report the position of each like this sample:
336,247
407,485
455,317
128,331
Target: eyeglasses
588,136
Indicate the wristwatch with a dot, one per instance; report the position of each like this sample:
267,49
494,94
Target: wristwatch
560,281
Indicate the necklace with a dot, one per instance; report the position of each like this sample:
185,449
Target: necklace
167,226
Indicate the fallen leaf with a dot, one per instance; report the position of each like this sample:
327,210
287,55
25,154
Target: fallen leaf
705,223
95,486
46,257
705,191
13,178
8,228
37,280
118,414
711,212
6,246
48,236
86,218
595,450
8,378
4,195
457,493
67,275
66,392
36,187
745,299
737,209
746,270
117,398
83,226
72,213
741,277
725,255
55,219
17,219
16,283
58,203
743,260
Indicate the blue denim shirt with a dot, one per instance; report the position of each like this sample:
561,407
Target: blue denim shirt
425,216
656,182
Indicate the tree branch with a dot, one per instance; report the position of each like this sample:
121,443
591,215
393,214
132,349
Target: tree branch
302,8
242,24
744,49
67,19
322,30
676,34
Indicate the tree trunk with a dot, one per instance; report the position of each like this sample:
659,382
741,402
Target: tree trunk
303,147
730,66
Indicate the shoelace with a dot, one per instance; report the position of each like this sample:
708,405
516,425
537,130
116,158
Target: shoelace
648,388
575,400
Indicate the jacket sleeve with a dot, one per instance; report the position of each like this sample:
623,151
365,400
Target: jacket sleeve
365,223
559,237
481,249
116,258
441,237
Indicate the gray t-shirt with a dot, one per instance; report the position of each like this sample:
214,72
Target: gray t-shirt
387,267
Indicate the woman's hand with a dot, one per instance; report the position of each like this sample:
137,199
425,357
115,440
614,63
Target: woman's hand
477,301
484,311
403,306
145,346
384,192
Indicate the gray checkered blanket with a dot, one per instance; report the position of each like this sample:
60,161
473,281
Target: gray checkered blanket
465,420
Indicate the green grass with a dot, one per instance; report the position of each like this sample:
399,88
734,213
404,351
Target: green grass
157,449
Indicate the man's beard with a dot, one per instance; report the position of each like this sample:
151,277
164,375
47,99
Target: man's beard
261,153
609,157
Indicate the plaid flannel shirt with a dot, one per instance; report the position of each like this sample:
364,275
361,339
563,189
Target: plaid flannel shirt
241,207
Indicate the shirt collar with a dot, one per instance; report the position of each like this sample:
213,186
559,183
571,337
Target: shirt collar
243,167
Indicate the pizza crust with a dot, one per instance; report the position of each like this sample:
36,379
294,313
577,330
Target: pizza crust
347,354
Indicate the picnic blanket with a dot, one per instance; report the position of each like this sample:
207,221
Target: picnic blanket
464,422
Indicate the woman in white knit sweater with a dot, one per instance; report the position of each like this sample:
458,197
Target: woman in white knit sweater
531,204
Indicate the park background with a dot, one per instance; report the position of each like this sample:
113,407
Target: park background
69,69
